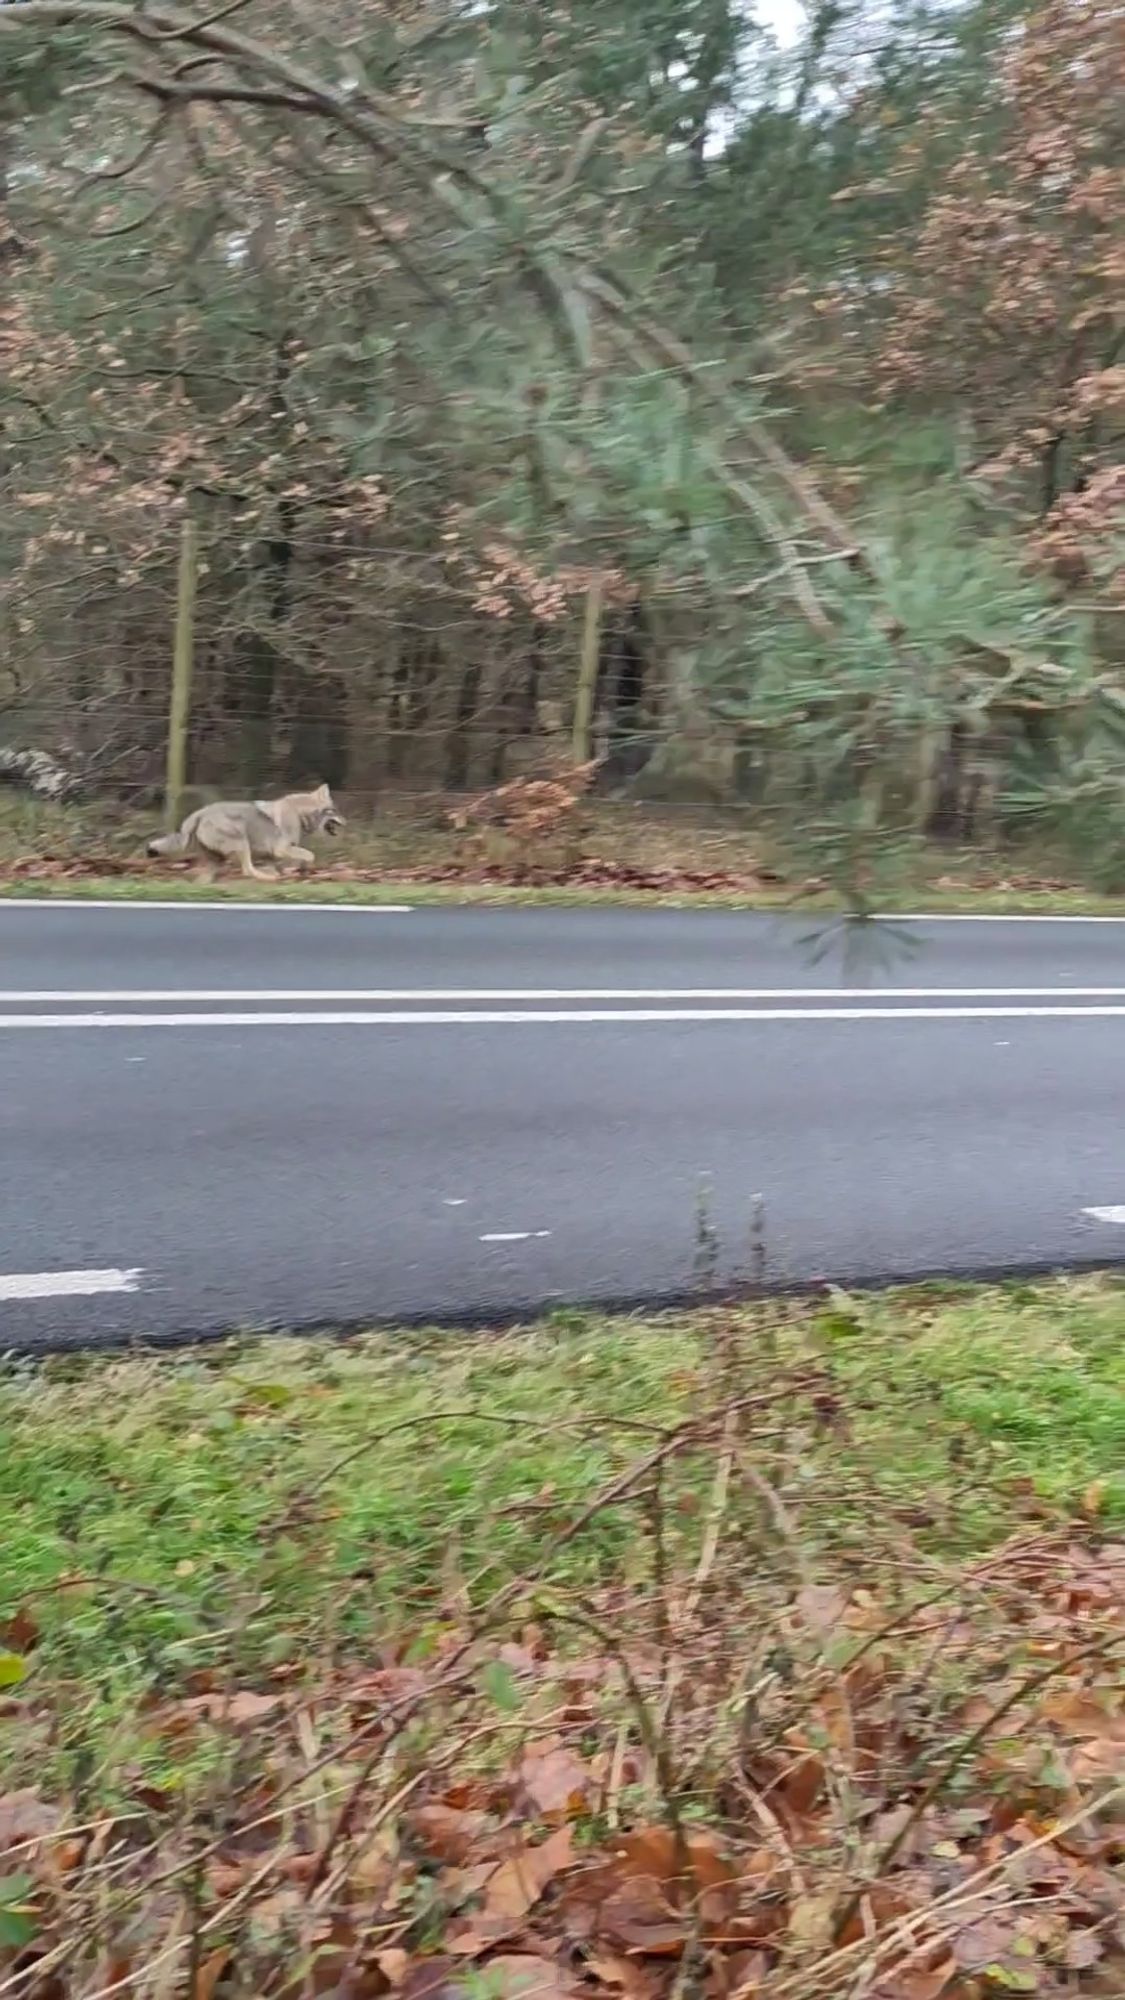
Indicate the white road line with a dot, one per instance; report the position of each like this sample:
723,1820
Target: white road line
983,917
1112,1214
65,1284
513,1235
137,995
192,903
517,1017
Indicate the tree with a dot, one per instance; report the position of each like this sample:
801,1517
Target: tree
450,329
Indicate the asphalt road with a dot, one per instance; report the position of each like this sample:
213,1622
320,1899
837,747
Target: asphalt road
254,1116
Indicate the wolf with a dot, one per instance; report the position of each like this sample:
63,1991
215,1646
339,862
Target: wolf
242,830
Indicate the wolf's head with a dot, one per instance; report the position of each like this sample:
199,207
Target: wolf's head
319,812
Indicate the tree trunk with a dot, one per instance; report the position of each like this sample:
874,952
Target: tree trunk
460,740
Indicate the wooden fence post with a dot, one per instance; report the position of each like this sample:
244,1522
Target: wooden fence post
183,657
588,659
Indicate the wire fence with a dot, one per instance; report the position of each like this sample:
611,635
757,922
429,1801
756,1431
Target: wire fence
445,684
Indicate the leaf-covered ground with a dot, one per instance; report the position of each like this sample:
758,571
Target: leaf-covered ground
773,1653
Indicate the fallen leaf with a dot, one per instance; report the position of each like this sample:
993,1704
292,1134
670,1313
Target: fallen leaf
520,1881
17,1912
822,1607
391,1687
511,1890
653,1890
940,1983
375,1870
695,1864
1100,1760
524,1976
226,1878
638,1917
21,1632
744,1973
301,1867
116,1973
231,1709
448,1833
1082,1713
1083,1949
810,1922
24,1819
522,1659
210,1972
635,1980
555,1782
985,1943
283,1910
437,1978
801,1783
393,1963
885,1903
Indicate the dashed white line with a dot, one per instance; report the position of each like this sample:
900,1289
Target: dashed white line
66,1284
513,1235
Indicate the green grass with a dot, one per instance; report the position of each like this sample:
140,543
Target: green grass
181,889
322,889
275,1502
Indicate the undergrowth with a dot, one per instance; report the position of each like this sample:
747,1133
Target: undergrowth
773,1652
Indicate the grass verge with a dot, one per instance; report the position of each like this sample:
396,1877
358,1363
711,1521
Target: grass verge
404,889
773,1651
634,856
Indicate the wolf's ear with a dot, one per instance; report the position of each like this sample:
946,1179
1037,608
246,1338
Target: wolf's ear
322,792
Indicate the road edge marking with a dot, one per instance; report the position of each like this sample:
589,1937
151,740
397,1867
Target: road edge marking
191,903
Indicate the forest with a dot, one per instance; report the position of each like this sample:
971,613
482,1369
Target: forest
729,403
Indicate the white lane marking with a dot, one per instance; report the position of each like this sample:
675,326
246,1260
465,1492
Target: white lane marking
513,1235
1111,1214
194,903
982,917
151,995
551,1017
66,1284
454,1200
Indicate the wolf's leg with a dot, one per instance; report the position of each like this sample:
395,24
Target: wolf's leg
211,859
246,862
302,856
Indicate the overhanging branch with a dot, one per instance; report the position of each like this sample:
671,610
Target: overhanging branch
266,76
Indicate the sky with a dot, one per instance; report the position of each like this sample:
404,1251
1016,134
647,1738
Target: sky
784,17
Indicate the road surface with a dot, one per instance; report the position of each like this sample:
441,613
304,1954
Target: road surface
261,1116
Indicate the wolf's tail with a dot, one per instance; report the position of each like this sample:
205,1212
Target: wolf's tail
170,844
